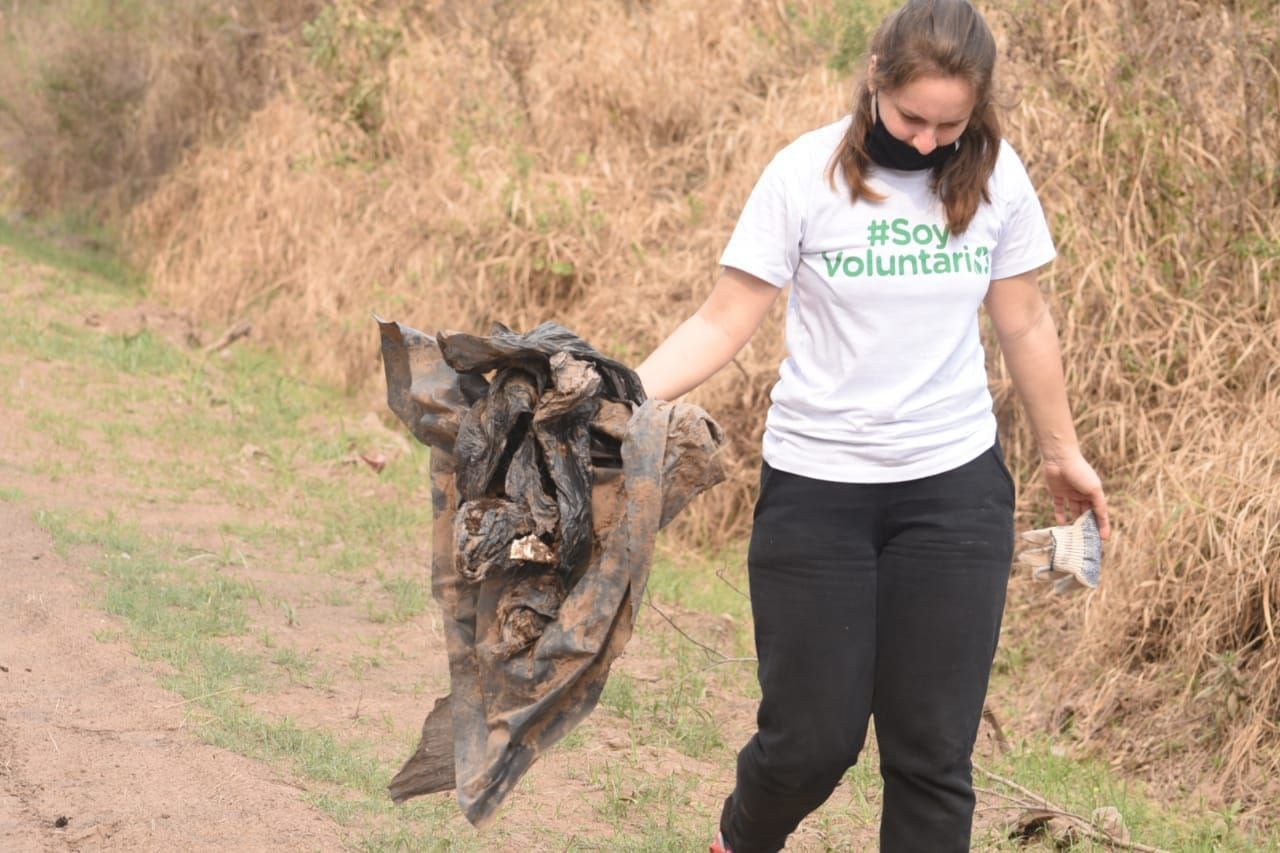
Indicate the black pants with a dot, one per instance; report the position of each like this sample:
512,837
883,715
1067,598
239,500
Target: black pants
879,599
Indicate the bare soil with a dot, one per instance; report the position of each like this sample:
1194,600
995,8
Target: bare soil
93,753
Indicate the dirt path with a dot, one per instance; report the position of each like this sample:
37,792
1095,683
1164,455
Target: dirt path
93,752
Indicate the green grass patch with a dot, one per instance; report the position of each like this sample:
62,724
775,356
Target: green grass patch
73,245
175,612
648,812
316,754
62,431
351,781
408,598
708,583
1082,785
843,29
673,711
178,613
98,356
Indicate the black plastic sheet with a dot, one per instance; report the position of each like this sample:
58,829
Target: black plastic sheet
551,476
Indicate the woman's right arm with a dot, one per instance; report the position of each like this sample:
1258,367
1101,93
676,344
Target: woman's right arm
709,339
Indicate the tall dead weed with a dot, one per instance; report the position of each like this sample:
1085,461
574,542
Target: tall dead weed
98,100
1153,128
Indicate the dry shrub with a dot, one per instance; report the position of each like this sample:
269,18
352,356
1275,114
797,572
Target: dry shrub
586,162
1188,625
530,163
1151,131
98,100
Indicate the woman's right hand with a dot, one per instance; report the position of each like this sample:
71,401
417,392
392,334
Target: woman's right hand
1076,487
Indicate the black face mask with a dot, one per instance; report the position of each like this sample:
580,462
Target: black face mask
888,151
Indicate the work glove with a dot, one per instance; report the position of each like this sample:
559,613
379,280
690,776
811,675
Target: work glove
1070,555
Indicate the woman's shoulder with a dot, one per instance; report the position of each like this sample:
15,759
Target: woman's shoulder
1009,169
811,151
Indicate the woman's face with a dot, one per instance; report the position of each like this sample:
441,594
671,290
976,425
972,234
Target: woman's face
928,111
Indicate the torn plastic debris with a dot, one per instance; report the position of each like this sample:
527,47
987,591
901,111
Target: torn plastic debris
550,481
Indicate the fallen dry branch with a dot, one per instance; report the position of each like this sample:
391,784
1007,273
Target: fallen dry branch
229,337
713,652
1033,805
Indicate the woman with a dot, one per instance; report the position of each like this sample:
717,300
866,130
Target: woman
883,531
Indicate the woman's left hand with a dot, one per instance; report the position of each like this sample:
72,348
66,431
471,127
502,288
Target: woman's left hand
1076,487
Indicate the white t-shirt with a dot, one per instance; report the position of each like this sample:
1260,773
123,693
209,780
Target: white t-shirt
885,378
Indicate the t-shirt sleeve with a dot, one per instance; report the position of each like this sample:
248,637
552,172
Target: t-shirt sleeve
766,241
1025,242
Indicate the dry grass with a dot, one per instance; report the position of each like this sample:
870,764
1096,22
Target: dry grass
98,99
458,163
1159,165
530,164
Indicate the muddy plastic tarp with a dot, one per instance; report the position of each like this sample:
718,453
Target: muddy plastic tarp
551,476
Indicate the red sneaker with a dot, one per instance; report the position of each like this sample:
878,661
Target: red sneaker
718,846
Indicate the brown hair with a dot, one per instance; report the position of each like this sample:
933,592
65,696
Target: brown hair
944,38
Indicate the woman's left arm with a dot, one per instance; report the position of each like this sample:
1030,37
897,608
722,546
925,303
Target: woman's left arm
1029,340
